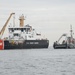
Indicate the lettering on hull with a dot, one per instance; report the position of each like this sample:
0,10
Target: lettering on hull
32,42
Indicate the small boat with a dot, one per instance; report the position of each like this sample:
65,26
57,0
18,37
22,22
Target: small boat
67,43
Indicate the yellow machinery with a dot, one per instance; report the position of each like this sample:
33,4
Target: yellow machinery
3,29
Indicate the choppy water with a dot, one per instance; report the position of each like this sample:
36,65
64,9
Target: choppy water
37,62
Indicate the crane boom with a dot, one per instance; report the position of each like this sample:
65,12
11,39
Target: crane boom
3,29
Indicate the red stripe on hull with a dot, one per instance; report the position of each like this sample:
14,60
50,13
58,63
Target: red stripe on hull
1,44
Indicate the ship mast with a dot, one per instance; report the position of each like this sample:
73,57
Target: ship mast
71,31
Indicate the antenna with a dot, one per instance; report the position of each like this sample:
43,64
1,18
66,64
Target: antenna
71,31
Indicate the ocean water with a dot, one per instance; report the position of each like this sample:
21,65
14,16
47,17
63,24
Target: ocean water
37,62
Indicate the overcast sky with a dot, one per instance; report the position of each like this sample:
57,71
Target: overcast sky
50,17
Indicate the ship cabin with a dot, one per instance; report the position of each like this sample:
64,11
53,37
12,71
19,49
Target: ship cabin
20,32
23,33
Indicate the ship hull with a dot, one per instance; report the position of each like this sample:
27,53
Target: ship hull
26,44
64,46
60,46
